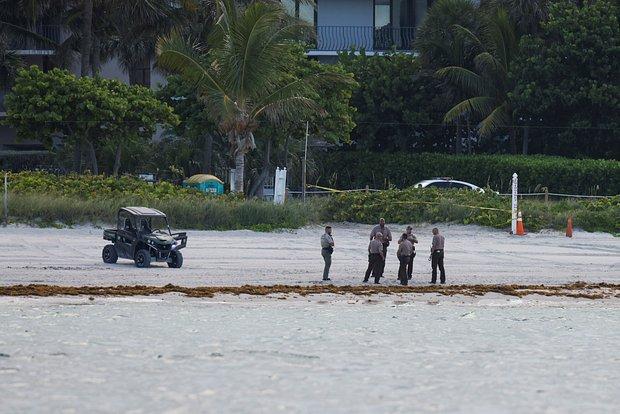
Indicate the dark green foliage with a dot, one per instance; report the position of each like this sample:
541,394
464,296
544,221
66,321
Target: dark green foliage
559,175
398,107
568,77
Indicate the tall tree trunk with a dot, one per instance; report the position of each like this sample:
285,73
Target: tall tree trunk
468,136
257,186
513,140
96,56
93,157
458,145
526,140
207,154
86,42
117,160
77,156
239,171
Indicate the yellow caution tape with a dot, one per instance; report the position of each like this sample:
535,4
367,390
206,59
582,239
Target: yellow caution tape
458,205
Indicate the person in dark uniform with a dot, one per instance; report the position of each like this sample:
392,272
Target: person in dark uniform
327,248
376,259
385,240
413,239
405,250
437,256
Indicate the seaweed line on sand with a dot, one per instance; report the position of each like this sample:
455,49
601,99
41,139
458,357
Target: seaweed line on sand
572,290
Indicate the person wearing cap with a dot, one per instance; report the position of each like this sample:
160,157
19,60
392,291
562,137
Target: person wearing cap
437,256
385,239
413,239
327,248
405,250
376,259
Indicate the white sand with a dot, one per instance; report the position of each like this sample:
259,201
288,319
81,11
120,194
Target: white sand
473,255
322,354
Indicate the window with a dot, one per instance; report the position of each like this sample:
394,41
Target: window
439,184
301,10
383,13
141,74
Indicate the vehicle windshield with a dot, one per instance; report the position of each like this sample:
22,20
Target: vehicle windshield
154,224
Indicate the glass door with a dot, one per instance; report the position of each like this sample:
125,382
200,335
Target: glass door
382,24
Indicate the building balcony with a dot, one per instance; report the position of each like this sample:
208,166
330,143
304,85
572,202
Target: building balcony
333,39
25,45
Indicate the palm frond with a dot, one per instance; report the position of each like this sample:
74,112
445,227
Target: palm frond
499,118
186,58
480,105
463,78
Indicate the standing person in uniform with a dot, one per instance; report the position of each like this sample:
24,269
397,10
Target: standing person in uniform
405,250
413,239
437,256
376,259
327,248
385,240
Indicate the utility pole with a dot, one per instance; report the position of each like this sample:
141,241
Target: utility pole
303,167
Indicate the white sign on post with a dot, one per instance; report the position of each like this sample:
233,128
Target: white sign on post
279,186
515,189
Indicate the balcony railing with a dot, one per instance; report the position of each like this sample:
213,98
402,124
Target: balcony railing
339,38
25,42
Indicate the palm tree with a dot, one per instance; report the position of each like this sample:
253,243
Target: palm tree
242,74
439,45
488,84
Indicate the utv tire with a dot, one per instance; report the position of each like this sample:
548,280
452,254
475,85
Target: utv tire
143,258
176,260
109,254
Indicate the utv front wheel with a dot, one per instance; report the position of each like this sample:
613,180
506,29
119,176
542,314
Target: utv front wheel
143,258
109,254
176,260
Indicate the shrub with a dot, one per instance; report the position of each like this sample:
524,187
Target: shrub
350,169
415,205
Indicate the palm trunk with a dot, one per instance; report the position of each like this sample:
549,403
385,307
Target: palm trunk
93,157
256,188
239,171
468,136
77,156
86,42
526,140
458,147
513,140
207,154
117,160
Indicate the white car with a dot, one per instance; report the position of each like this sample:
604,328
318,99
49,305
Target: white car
447,182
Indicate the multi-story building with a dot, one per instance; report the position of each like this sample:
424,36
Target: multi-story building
375,26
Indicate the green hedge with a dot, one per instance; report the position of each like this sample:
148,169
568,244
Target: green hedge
416,205
351,169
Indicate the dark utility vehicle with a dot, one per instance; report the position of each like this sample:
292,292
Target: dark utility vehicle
143,235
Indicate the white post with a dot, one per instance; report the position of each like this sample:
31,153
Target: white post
279,186
6,199
515,190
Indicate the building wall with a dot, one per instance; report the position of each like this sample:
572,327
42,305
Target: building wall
344,23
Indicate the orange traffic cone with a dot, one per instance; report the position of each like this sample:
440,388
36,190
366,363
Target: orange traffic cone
569,227
520,226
